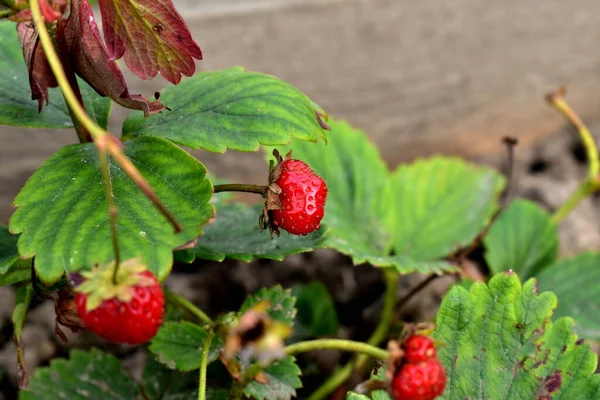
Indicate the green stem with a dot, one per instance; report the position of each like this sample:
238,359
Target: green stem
387,314
334,381
113,212
240,187
381,331
203,366
584,189
592,182
187,305
337,344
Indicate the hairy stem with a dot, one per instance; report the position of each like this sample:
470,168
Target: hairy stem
187,305
337,344
102,139
203,366
591,183
240,187
113,211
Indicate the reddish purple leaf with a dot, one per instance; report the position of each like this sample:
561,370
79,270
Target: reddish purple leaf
41,76
152,36
80,41
52,12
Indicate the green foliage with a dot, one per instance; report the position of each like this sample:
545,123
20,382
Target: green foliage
63,214
160,382
523,238
283,380
575,283
179,345
501,343
93,375
423,211
16,106
232,109
281,303
442,204
236,234
316,311
8,250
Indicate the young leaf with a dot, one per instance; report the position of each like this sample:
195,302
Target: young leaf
231,108
356,396
18,271
360,213
236,234
442,204
575,283
283,380
63,215
16,105
178,345
152,36
316,312
523,239
281,308
502,344
93,375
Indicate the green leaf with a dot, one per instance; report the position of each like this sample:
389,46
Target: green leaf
8,250
281,308
316,312
236,234
16,106
178,345
161,383
63,215
356,396
360,213
283,380
501,343
523,239
93,375
575,283
232,108
442,203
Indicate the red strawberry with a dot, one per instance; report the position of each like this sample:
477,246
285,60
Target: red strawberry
129,311
419,381
418,348
302,194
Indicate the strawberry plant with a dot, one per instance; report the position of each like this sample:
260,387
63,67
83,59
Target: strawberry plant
98,228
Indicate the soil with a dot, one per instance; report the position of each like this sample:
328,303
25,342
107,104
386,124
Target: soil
546,173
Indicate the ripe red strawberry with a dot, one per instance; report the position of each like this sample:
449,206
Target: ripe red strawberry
302,198
418,348
423,380
129,312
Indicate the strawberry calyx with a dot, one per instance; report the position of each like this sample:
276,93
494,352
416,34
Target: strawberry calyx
273,201
98,284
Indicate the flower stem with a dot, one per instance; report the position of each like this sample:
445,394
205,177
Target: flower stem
240,187
591,183
337,344
381,331
203,366
113,213
187,305
387,314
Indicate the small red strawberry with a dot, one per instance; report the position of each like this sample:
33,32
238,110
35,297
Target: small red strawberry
296,197
418,348
423,380
127,311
